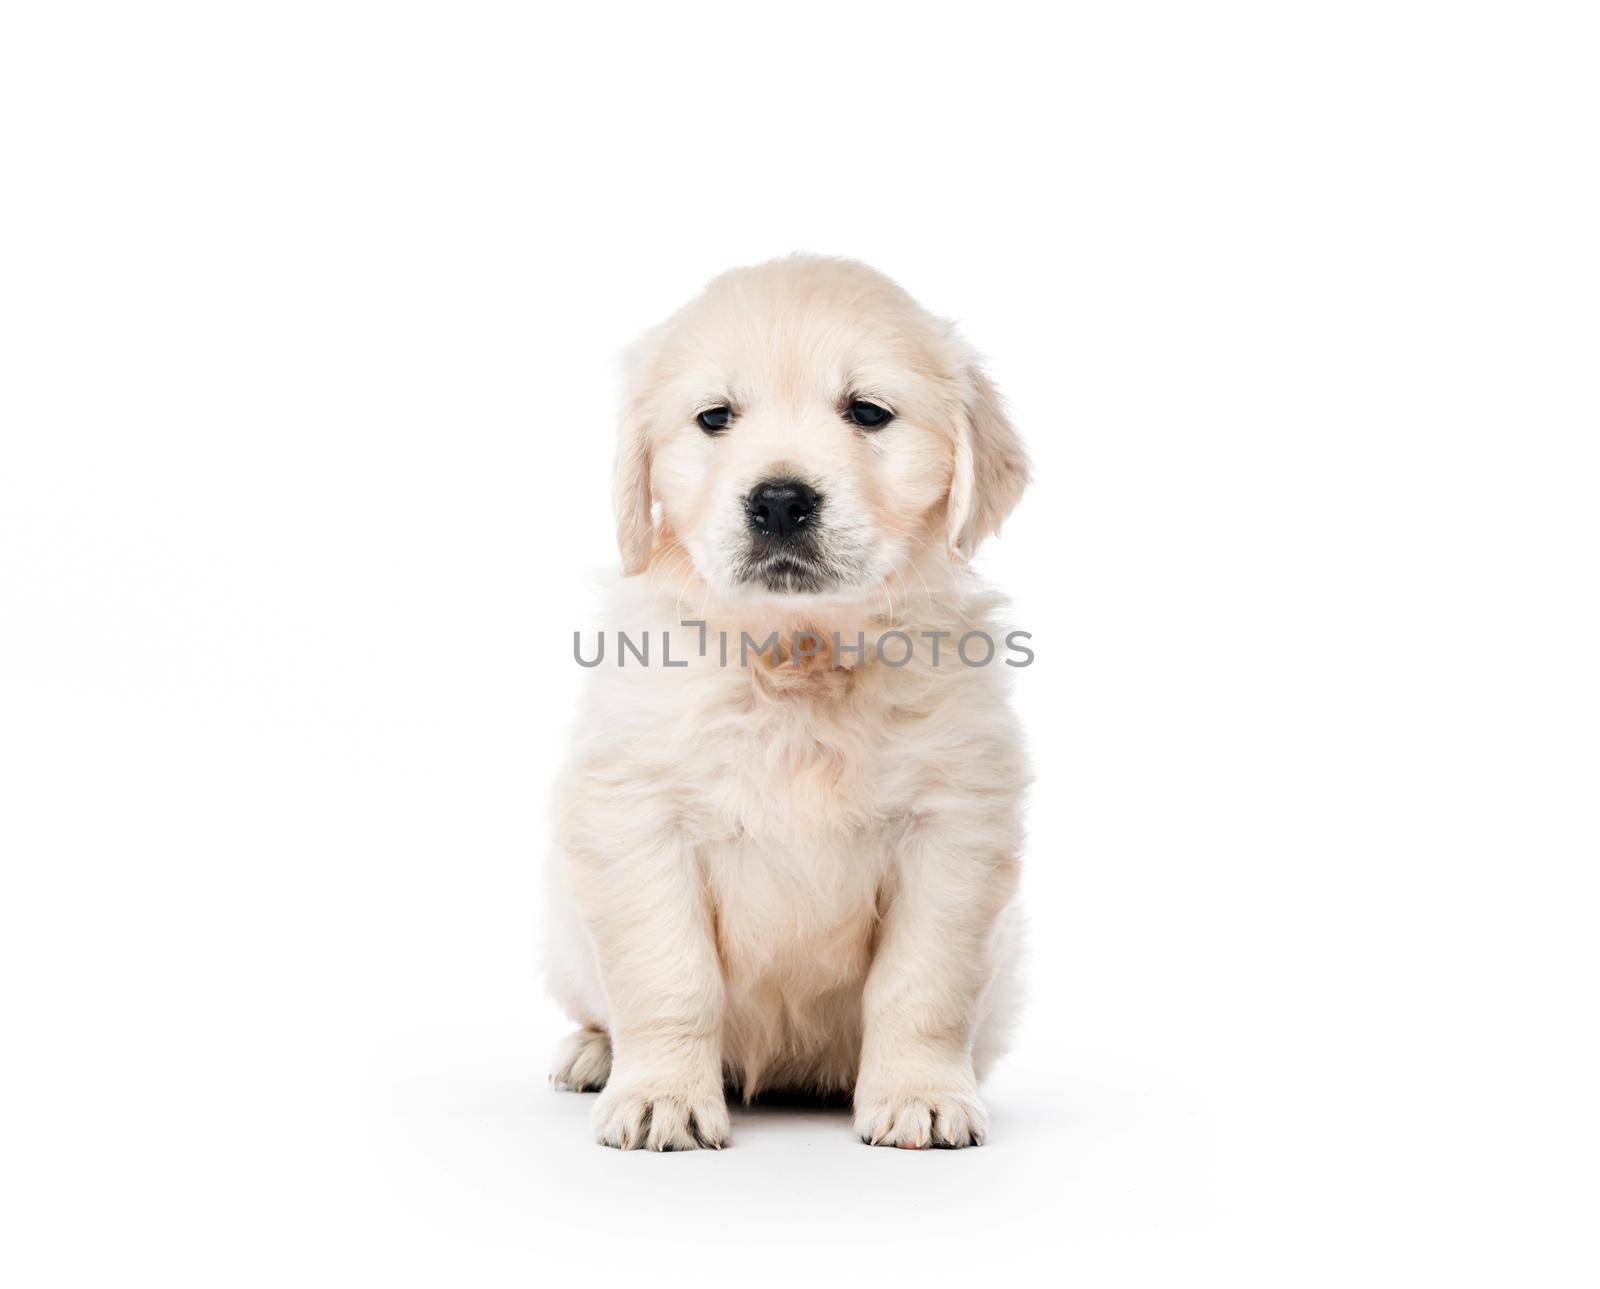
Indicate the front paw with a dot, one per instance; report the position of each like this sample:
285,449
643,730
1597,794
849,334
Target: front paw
661,1116
916,1118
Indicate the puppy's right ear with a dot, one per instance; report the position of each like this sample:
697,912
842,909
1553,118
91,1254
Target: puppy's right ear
635,523
632,494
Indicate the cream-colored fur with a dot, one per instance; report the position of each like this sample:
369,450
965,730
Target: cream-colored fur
795,875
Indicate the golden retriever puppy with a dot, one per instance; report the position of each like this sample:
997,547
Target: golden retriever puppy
787,836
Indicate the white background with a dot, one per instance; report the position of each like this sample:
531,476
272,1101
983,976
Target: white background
310,314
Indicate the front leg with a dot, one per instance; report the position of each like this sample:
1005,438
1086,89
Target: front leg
643,903
916,1087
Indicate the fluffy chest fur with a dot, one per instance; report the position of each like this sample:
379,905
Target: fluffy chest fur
794,825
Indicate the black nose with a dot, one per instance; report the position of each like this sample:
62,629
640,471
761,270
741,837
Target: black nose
781,507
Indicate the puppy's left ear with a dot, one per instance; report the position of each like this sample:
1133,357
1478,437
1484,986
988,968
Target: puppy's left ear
991,467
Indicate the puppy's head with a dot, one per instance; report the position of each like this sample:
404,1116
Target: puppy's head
804,429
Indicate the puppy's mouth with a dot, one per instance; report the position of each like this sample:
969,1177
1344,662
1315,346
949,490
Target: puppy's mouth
791,571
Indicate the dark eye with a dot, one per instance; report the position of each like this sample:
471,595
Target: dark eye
869,416
714,418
